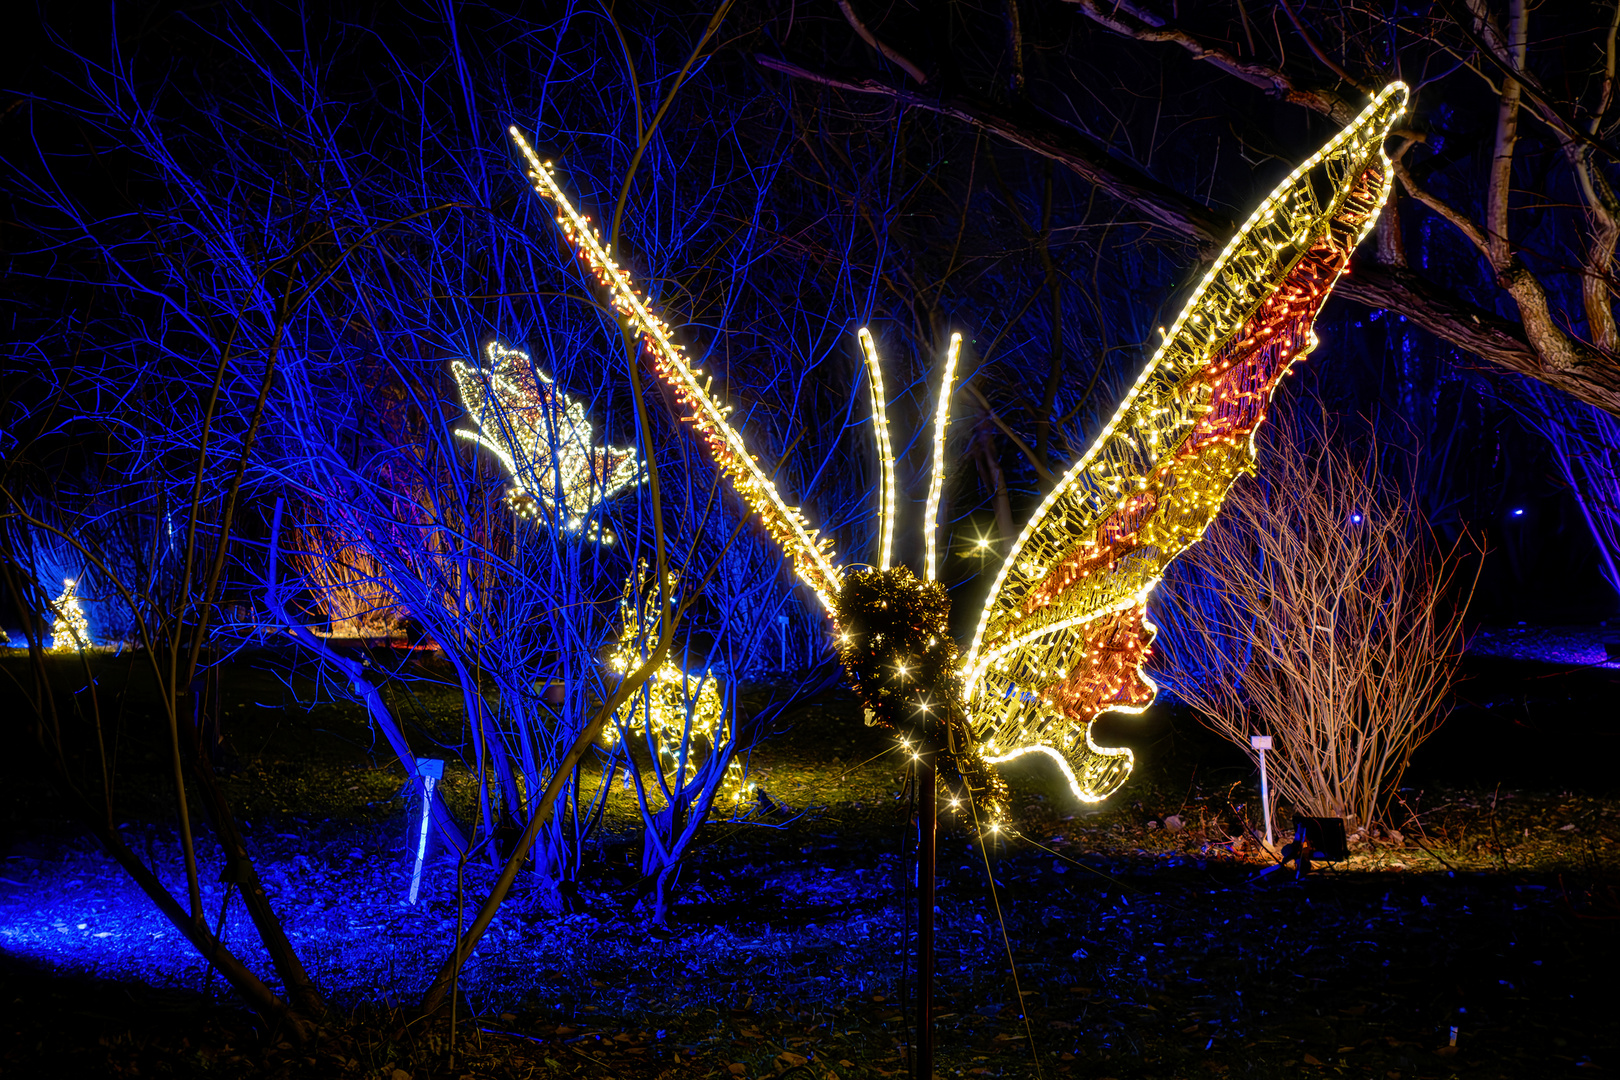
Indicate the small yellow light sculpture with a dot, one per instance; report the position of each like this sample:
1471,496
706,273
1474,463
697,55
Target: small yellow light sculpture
1064,633
543,438
71,631
677,708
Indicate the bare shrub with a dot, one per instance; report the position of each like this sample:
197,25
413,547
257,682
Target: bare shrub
1320,610
350,587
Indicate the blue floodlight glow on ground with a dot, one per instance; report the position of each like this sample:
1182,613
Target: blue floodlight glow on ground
340,894
1518,512
344,909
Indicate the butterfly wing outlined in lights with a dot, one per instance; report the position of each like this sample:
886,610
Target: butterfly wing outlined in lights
543,438
1064,634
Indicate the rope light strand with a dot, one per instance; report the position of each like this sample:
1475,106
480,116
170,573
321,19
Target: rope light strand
936,483
810,553
887,497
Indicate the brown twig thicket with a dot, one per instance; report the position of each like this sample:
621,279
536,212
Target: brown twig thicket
1327,617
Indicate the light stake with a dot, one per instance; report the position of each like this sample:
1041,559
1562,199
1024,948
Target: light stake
431,770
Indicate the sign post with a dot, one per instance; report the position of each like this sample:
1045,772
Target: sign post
1261,744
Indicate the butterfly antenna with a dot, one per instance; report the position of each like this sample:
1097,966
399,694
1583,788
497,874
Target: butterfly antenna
942,419
880,421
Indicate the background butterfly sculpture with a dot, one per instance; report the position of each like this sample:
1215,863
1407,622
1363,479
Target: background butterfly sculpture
543,438
1064,633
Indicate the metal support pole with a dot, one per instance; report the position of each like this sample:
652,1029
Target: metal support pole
927,832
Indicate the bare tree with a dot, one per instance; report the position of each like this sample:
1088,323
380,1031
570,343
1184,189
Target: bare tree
1585,446
1510,152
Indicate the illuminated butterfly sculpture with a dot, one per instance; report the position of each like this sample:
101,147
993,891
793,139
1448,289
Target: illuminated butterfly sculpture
543,438
1064,633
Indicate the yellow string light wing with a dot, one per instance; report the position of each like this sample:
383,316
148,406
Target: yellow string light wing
808,551
1064,634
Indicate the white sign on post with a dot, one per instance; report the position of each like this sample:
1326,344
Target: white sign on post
1261,744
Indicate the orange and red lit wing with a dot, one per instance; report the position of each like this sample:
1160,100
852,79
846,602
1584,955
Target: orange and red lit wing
1065,633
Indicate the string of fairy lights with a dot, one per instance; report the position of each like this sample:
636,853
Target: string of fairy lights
71,631
1064,633
808,551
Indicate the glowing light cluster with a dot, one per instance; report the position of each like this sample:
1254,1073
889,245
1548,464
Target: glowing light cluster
543,438
1064,633
71,630
682,712
809,552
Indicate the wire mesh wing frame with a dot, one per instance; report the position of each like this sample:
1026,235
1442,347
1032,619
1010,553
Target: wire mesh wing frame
1064,634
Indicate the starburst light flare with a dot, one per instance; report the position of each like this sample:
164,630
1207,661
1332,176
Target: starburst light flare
543,438
936,483
1064,634
808,551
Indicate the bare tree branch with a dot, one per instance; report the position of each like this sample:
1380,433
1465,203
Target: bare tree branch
1135,21
1537,347
892,55
1320,53
1088,158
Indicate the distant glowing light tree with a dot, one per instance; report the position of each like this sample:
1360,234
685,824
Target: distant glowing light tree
72,630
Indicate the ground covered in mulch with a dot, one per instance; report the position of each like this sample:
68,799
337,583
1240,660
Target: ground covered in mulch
1141,938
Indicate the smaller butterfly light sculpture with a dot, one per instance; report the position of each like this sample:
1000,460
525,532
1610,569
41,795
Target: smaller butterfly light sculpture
1064,632
681,712
543,438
